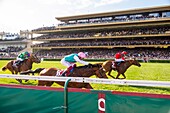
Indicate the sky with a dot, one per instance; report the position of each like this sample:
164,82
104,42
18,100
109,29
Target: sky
19,15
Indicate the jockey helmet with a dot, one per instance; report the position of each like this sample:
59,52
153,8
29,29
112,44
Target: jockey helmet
124,52
26,53
82,55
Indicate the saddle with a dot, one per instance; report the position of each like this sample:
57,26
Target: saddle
17,63
115,65
68,71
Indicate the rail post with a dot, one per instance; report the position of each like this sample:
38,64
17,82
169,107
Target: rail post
66,95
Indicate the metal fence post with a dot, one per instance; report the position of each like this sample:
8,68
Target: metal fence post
66,95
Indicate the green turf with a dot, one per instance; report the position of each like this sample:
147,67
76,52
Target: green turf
148,71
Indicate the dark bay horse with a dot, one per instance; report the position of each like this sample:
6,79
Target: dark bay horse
81,71
26,65
121,69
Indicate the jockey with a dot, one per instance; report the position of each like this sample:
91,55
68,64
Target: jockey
119,57
70,60
21,57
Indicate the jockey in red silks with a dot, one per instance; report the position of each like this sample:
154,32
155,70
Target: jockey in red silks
119,57
70,60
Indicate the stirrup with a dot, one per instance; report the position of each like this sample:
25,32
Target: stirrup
63,74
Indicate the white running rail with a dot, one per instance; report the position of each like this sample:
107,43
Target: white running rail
92,80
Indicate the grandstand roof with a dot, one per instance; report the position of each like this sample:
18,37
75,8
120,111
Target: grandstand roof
123,12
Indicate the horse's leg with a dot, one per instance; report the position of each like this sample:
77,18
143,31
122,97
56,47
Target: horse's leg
117,77
26,80
88,86
109,73
123,76
41,83
44,83
49,83
19,80
11,69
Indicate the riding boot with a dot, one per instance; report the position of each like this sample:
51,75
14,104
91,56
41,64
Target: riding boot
118,63
68,71
64,73
19,62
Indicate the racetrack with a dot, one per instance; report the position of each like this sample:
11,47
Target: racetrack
148,71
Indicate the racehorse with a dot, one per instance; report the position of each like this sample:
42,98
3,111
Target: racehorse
81,71
26,65
121,69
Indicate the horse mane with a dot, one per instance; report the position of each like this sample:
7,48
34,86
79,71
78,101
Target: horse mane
31,55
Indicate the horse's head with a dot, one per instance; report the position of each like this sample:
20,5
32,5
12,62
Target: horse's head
136,62
35,59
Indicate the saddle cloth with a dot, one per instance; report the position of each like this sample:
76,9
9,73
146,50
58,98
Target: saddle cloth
113,64
59,73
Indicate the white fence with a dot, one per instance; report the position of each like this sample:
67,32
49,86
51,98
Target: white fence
92,80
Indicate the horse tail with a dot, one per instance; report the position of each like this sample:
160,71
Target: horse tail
7,65
4,68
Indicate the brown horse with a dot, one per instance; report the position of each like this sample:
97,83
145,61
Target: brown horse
81,71
26,65
121,69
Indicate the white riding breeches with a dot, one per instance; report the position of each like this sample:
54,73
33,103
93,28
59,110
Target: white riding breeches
20,59
119,60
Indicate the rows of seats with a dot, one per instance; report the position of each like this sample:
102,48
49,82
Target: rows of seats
12,49
140,53
110,33
113,42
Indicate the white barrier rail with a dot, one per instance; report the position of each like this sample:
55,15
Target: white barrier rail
91,80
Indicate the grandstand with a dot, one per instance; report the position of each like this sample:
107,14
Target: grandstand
144,33
12,44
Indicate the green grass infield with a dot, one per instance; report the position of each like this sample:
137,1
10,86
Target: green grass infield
148,71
